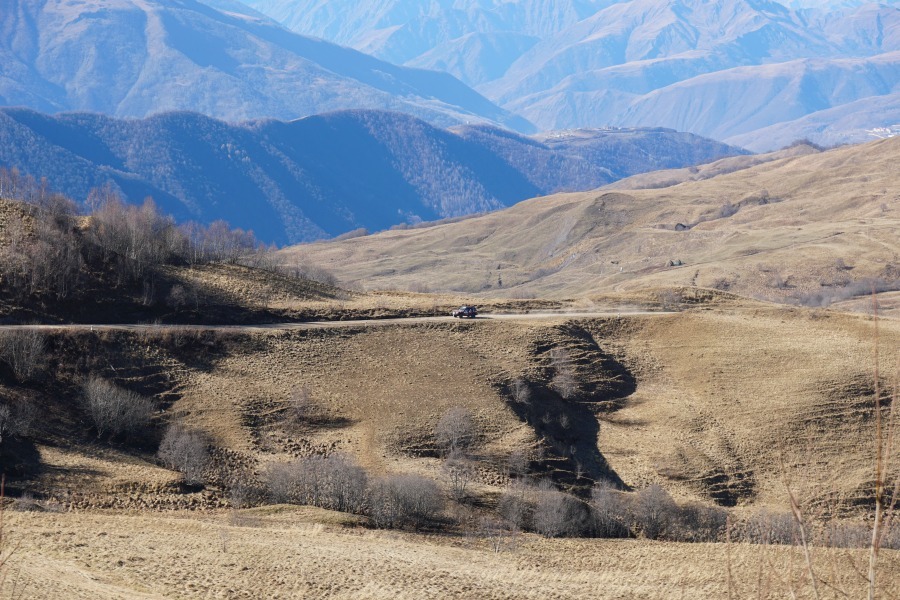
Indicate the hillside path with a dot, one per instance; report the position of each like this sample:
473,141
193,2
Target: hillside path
532,316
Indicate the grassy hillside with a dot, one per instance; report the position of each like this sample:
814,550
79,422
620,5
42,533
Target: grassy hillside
809,228
587,412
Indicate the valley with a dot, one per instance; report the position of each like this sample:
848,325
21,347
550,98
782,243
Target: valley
454,299
732,405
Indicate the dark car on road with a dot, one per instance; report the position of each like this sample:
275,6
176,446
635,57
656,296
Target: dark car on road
465,311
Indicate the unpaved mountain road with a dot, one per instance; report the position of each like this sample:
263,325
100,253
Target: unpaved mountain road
532,316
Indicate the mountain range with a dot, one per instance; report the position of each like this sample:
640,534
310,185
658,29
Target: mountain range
685,64
134,58
325,175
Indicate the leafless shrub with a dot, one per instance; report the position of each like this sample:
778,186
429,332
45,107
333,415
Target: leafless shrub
335,482
564,382
243,489
610,510
280,479
517,464
655,513
455,432
513,505
722,284
309,272
23,350
360,232
186,450
845,535
501,536
671,300
399,501
520,391
16,419
558,515
777,280
115,410
768,527
700,523
178,298
302,409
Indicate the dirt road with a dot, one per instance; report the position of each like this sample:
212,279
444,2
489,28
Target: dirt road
532,316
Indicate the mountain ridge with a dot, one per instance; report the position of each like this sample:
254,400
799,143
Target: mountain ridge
604,63
134,58
324,175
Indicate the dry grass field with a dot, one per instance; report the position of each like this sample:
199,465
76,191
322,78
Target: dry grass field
804,227
687,377
289,552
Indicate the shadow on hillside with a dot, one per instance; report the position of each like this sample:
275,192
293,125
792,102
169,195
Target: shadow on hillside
569,427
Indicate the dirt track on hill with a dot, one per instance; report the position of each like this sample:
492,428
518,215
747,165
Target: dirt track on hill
533,316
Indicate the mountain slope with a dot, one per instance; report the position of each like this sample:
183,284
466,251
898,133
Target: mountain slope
807,227
325,175
640,62
139,57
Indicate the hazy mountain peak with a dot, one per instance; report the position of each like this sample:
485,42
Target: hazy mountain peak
138,57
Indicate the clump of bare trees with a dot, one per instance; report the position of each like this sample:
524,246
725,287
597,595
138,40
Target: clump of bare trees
337,482
186,450
334,482
43,254
557,514
115,411
24,351
401,501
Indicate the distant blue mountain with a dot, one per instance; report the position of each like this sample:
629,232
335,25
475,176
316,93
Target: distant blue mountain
325,175
723,69
134,58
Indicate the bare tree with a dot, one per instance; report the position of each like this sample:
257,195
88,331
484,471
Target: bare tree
23,350
186,450
115,410
455,431
459,473
501,535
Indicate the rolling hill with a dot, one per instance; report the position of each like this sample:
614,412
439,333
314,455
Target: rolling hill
807,227
134,58
326,175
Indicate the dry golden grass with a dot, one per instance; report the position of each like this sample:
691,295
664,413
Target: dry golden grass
821,208
291,554
723,395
